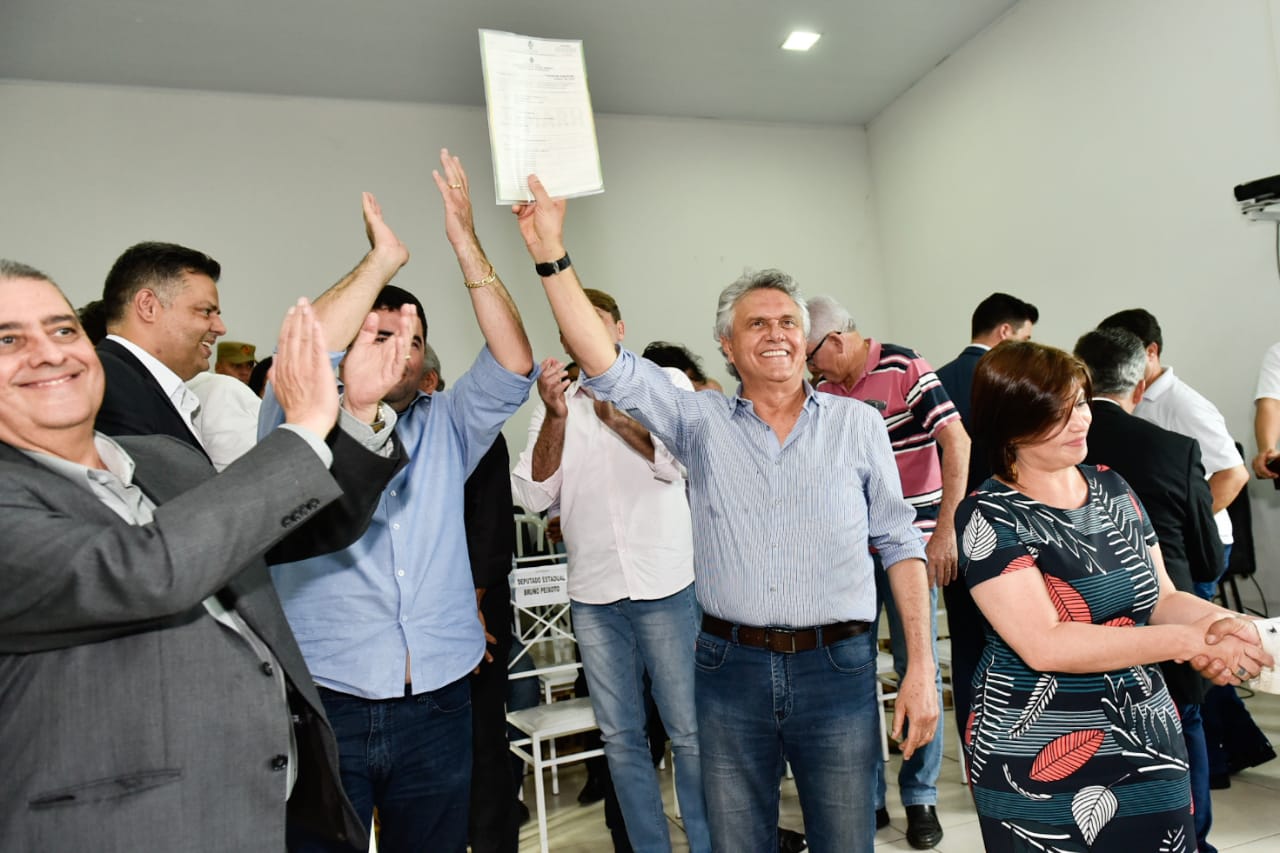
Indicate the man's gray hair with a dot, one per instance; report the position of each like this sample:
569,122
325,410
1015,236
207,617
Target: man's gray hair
747,282
17,269
1116,359
827,316
431,362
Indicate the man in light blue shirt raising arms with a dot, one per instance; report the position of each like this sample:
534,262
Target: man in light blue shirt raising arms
389,626
787,488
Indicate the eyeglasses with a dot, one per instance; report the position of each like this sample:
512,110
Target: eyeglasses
808,359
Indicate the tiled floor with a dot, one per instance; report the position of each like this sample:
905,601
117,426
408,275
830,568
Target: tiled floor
1246,816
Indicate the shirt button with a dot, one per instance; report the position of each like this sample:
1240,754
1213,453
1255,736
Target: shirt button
400,572
280,762
267,668
395,526
392,493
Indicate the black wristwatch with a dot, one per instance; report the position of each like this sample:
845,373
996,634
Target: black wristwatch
546,270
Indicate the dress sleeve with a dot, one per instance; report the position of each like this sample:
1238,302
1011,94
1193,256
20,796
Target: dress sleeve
988,541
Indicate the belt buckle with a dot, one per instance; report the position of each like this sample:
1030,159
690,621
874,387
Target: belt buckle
770,633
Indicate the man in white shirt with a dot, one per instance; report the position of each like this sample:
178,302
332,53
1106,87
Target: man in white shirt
626,525
1234,740
1266,415
228,416
1173,404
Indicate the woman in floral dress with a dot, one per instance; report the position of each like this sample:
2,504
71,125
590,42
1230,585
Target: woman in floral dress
1073,742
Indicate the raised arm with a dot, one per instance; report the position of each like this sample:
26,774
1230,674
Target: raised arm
342,308
542,227
495,310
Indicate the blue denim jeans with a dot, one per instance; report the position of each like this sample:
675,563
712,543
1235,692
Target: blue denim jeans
816,709
1198,765
1208,590
411,758
618,642
918,776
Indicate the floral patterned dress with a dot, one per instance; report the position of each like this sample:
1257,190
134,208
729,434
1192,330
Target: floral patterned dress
1072,762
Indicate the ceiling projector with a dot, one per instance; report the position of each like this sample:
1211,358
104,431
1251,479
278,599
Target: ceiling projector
1260,199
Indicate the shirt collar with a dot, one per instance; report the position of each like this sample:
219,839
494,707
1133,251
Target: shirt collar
1163,383
118,463
169,381
739,403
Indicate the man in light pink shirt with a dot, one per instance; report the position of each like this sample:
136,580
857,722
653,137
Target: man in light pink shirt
627,530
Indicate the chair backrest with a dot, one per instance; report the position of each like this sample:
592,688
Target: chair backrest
531,534
542,623
540,580
1243,561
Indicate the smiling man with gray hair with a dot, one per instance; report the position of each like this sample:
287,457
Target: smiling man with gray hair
787,489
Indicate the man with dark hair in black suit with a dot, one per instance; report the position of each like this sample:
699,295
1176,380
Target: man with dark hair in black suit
161,306
1165,470
997,318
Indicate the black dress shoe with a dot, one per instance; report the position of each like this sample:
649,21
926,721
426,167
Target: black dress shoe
790,841
592,792
923,829
882,818
1261,755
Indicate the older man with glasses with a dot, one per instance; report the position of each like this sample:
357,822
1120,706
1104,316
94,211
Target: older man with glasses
920,418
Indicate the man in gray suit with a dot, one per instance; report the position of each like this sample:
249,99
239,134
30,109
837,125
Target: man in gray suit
151,694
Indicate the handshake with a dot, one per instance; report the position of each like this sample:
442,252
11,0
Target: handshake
1238,650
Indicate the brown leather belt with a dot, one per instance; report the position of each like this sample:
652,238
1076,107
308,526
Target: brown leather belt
785,640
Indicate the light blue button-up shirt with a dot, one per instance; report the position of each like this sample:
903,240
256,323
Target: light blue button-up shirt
405,586
780,532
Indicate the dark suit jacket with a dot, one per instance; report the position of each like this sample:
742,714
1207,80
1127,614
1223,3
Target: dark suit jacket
487,514
134,402
956,377
129,718
1165,471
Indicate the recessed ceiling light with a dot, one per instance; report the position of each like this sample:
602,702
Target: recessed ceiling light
800,40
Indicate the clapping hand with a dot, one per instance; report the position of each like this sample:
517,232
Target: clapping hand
552,383
455,191
301,373
376,362
383,242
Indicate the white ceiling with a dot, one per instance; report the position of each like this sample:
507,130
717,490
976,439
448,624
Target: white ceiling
690,58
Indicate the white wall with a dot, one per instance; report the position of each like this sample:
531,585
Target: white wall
270,187
1081,155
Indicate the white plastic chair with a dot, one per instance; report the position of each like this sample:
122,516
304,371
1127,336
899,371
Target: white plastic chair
886,691
540,600
535,526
